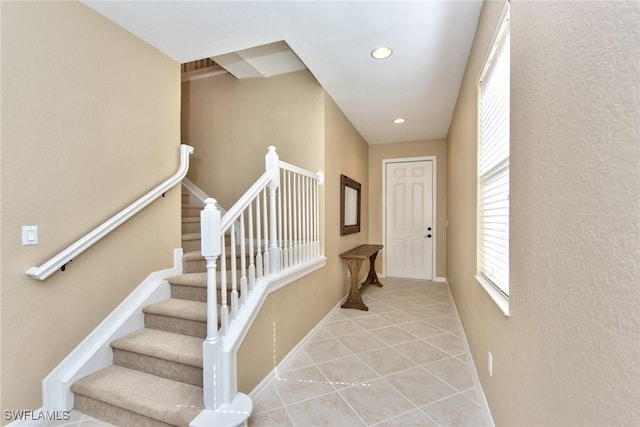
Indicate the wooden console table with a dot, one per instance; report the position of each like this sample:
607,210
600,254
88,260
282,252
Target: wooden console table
354,259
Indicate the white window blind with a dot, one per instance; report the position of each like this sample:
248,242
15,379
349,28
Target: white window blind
493,165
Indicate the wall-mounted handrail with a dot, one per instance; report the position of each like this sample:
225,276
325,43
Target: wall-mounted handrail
61,259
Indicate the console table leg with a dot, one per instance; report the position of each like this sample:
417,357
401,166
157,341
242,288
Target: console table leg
372,278
354,300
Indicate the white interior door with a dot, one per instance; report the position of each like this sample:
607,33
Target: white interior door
410,231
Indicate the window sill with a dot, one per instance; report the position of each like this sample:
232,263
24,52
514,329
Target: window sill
498,297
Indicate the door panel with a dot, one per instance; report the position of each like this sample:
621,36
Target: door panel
409,212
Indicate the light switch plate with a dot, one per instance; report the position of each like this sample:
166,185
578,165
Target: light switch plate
29,235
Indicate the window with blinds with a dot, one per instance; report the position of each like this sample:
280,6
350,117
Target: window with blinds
493,164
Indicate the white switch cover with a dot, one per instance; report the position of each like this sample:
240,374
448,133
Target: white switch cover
29,235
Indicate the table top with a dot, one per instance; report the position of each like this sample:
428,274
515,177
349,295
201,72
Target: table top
362,251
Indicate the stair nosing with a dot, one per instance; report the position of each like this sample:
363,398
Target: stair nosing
131,343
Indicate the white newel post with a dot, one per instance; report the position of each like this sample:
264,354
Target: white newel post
271,164
212,346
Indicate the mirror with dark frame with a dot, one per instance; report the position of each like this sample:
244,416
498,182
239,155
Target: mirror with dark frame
349,205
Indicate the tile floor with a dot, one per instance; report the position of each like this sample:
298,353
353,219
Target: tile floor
402,363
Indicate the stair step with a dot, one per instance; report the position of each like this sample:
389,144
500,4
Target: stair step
126,397
191,242
178,316
193,286
191,210
190,225
164,354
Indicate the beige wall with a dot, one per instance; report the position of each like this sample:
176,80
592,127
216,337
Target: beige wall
295,309
231,123
380,152
568,353
90,122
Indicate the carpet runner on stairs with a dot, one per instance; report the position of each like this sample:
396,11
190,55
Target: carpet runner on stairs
156,376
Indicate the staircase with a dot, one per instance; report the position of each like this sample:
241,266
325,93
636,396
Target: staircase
179,367
156,376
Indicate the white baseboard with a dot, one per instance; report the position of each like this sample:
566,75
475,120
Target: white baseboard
484,405
440,280
94,352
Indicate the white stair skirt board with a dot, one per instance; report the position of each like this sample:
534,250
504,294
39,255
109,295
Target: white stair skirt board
94,352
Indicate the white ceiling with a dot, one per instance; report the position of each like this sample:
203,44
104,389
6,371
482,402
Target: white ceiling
431,41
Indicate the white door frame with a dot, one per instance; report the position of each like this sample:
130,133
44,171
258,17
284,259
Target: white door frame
434,196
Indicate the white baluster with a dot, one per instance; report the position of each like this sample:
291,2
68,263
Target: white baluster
305,213
224,306
296,215
252,265
284,189
280,241
234,279
290,224
243,263
265,225
259,264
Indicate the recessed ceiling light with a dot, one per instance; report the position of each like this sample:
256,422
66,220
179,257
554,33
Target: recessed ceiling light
381,52
399,121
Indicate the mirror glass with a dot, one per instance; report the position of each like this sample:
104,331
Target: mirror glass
350,206
350,199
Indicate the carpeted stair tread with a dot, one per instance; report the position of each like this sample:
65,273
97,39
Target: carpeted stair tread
190,236
191,219
169,401
199,279
180,308
163,345
193,256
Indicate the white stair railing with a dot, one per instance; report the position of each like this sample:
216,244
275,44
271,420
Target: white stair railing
278,220
61,259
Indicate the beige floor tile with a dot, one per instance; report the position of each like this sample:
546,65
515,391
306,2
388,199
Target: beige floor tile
323,351
420,386
452,371
321,335
372,322
421,329
91,422
361,342
342,327
421,352
472,394
414,418
377,402
393,335
347,372
455,411
445,322
398,317
386,361
449,343
423,312
301,384
300,361
327,410
268,401
277,417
